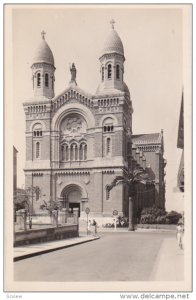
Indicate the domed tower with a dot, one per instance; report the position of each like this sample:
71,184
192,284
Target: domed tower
43,70
112,64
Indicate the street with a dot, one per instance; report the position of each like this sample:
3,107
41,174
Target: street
128,256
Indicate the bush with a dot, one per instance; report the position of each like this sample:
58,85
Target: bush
173,217
122,222
153,215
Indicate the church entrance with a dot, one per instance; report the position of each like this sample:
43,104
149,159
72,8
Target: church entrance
74,205
72,197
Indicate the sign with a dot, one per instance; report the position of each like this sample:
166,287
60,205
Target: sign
87,210
115,213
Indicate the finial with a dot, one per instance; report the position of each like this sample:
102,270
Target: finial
112,22
43,34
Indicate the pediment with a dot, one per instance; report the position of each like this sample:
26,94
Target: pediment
72,94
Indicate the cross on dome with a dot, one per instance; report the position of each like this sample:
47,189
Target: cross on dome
112,22
43,34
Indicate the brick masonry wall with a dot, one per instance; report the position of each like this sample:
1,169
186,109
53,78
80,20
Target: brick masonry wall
29,148
117,115
45,147
45,235
115,201
118,140
93,188
98,146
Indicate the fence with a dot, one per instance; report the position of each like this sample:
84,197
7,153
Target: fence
26,221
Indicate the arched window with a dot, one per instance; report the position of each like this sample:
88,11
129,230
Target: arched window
62,153
83,151
37,130
38,79
108,125
108,146
52,83
37,150
46,80
76,152
73,152
102,73
117,72
66,153
109,71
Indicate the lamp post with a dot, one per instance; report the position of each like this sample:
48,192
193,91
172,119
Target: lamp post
87,210
115,214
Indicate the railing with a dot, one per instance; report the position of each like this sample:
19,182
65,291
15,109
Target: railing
26,221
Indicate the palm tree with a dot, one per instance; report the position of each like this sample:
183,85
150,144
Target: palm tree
131,179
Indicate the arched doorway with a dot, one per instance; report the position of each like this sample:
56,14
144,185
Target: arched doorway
71,195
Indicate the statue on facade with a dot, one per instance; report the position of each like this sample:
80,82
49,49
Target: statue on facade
73,73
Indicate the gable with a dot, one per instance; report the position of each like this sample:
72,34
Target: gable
71,95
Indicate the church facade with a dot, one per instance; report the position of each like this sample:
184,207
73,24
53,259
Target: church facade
77,143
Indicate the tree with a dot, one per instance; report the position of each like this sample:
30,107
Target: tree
52,206
31,191
131,179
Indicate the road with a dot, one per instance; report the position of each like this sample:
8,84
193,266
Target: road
128,256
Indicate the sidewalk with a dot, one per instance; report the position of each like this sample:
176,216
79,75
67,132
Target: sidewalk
169,264
38,249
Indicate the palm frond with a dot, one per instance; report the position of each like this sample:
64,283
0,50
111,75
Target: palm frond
137,172
126,173
115,182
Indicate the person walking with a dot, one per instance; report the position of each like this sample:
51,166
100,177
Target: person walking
95,225
89,227
179,234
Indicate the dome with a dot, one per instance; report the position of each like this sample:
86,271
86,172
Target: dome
113,44
43,53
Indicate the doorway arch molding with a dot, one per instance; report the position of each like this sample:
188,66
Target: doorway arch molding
71,186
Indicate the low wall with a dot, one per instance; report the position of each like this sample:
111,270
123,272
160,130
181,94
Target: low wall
157,226
44,235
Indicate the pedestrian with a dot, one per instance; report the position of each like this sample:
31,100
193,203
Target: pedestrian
95,225
89,227
30,223
179,234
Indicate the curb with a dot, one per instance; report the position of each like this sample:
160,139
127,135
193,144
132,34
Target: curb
17,258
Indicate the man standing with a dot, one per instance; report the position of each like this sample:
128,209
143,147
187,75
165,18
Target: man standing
95,224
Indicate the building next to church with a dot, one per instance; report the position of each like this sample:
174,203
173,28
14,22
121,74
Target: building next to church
147,151
180,145
77,143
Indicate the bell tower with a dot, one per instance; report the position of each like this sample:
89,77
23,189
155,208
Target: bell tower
112,63
43,70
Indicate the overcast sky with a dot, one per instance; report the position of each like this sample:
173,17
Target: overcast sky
152,39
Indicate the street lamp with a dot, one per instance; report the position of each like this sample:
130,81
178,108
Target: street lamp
87,210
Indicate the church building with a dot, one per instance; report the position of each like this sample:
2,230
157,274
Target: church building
76,142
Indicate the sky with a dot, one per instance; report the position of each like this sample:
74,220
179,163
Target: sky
153,46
